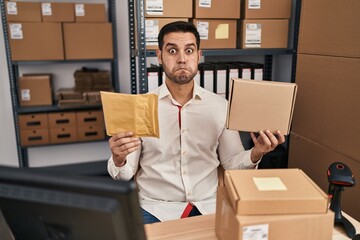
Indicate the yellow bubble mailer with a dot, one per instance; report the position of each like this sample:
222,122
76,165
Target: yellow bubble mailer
137,113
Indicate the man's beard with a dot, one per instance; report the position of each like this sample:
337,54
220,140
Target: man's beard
182,78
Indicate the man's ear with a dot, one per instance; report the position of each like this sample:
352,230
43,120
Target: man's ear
158,54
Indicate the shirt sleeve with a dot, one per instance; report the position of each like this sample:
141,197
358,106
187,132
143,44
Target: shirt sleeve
231,152
127,171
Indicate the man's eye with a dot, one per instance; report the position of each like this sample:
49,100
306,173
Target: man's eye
172,51
189,50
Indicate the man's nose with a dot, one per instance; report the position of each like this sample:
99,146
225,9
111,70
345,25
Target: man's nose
181,57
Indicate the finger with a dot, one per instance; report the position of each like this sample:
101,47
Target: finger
266,141
253,137
120,135
281,137
125,145
272,138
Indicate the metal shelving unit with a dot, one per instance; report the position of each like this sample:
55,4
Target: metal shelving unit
13,67
138,47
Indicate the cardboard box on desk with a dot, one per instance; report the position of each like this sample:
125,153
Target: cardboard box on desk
36,41
23,11
35,90
230,226
88,41
260,105
274,191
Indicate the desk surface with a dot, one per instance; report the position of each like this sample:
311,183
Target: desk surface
184,229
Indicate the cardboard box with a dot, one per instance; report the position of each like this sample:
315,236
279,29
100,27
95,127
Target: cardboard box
266,9
36,41
326,108
23,11
269,33
230,226
63,135
35,90
91,132
318,22
216,33
315,159
58,12
274,191
90,118
34,137
169,9
90,13
33,121
62,119
261,105
88,41
217,9
153,26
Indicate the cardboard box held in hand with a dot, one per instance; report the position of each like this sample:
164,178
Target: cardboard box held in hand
261,105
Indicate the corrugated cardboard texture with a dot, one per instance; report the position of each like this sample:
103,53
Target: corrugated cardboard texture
274,33
326,108
160,22
60,12
26,12
315,159
93,13
35,90
41,41
219,9
214,26
171,9
266,9
88,41
260,105
330,27
301,195
229,226
33,121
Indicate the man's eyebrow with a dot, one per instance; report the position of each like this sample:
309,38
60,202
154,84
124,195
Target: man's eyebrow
174,44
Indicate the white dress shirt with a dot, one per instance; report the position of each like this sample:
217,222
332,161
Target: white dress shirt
181,166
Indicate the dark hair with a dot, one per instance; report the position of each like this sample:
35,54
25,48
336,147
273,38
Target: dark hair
179,26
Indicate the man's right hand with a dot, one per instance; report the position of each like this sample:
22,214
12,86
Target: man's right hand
122,144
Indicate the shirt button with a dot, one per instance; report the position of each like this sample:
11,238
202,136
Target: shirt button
184,152
183,131
184,172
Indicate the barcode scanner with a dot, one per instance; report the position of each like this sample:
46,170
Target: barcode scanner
339,177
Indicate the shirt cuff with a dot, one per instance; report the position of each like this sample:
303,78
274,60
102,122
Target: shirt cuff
115,171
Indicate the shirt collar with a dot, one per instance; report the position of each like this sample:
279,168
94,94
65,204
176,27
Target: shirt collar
197,93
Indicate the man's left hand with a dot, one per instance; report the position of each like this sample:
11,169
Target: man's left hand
264,143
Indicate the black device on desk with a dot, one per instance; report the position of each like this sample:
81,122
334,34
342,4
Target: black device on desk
40,205
340,176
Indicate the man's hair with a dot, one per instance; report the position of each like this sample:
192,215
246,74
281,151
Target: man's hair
179,26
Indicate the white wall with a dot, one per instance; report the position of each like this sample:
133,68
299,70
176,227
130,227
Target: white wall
59,154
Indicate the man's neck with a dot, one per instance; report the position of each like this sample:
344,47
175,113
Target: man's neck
182,93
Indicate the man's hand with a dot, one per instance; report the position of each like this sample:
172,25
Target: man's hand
264,143
122,144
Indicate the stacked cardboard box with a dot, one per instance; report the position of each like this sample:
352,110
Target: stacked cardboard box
325,128
264,24
216,22
35,90
160,13
64,127
257,204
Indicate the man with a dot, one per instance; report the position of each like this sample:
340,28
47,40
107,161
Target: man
177,173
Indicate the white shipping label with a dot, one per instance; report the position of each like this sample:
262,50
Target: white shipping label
154,7
258,75
79,10
246,73
152,31
205,3
254,4
253,35
46,9
16,31
255,232
203,29
269,184
25,95
11,8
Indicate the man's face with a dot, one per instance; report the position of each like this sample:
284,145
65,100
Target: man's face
179,57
